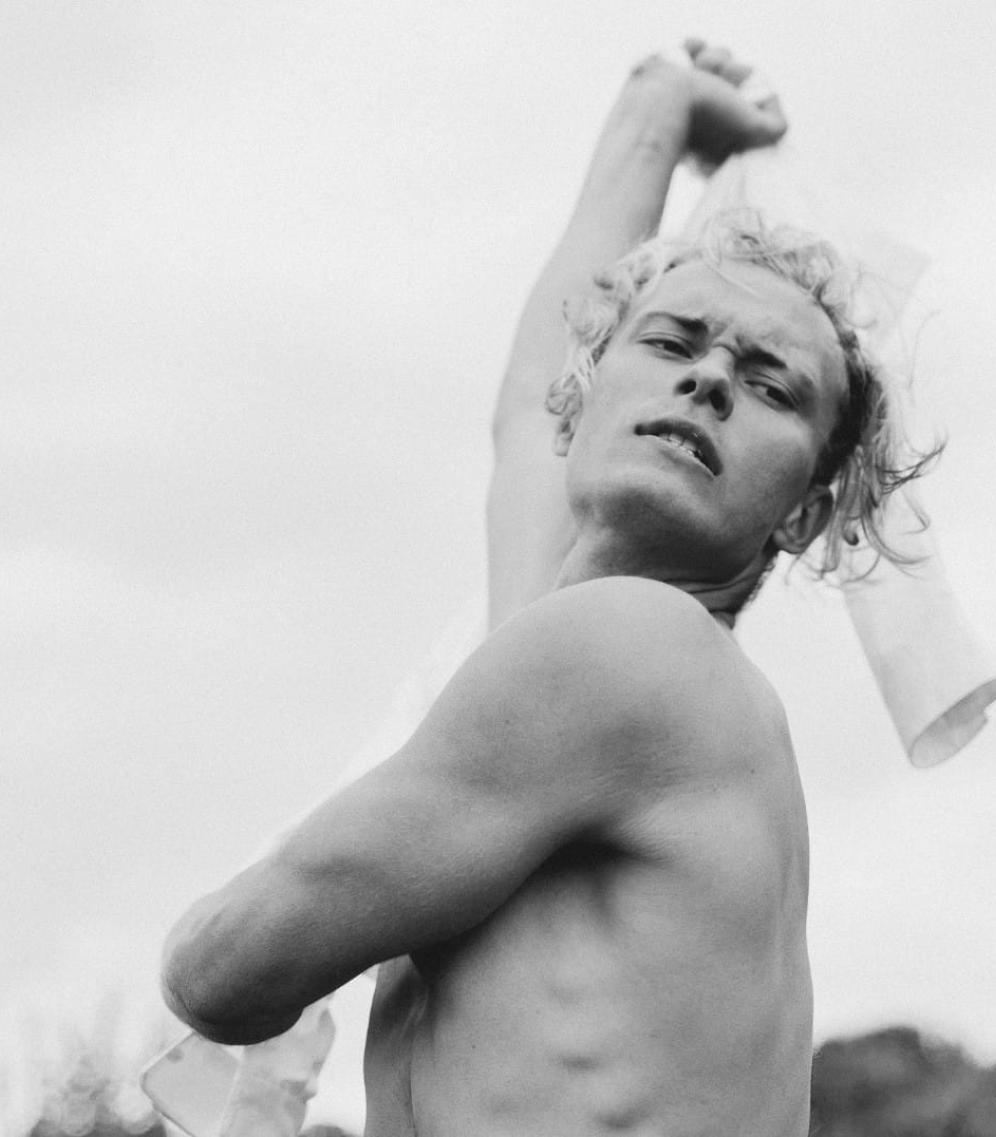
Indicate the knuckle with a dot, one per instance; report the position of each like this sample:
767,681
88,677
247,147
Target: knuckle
646,66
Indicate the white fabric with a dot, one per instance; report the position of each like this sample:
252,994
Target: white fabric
935,675
277,1078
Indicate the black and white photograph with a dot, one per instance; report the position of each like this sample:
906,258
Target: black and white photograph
497,619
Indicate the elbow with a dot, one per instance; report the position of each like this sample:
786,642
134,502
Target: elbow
190,988
204,986
212,1013
185,1003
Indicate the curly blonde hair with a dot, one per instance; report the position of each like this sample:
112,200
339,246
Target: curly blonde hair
866,457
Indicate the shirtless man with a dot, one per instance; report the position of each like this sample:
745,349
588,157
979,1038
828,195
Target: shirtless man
588,866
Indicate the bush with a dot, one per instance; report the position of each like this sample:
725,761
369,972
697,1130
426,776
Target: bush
898,1083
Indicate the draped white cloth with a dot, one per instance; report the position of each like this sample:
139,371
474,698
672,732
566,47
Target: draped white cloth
935,674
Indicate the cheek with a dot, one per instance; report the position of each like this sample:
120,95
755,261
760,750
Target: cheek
780,472
596,421
796,469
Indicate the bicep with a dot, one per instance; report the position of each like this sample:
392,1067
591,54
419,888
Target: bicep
410,855
530,745
415,853
529,522
530,527
549,730
534,743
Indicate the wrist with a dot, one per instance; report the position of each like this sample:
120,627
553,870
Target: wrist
628,180
656,106
646,134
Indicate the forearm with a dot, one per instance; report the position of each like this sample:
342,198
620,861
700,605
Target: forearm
620,204
350,886
644,138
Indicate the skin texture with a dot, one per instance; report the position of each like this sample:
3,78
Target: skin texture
588,867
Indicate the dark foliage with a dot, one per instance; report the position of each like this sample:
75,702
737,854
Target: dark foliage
890,1083
897,1083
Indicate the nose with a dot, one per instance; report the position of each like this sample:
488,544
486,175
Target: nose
708,381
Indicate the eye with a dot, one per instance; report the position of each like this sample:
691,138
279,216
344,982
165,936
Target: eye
671,345
773,393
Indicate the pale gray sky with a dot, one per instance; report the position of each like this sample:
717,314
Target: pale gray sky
260,267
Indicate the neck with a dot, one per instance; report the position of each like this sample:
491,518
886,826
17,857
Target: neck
592,557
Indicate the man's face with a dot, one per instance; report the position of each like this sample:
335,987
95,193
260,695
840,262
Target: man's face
708,413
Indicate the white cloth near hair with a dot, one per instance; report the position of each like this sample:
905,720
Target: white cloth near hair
934,673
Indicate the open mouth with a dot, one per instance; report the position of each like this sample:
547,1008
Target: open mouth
687,438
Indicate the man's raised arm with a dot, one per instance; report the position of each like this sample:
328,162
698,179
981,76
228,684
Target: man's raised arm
663,112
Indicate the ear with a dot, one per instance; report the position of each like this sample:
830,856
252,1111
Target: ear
804,522
565,434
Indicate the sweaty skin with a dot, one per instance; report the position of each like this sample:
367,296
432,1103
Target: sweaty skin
650,977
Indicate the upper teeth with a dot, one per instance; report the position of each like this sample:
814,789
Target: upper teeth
683,442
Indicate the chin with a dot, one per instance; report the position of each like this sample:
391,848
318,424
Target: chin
674,522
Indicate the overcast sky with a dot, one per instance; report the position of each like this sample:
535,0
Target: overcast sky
261,263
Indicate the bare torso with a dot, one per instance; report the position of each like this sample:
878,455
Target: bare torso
653,980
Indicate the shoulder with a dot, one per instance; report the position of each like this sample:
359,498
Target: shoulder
625,624
588,700
619,648
588,654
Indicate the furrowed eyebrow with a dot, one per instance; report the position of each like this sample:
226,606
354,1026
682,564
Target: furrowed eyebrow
757,354
752,352
689,324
